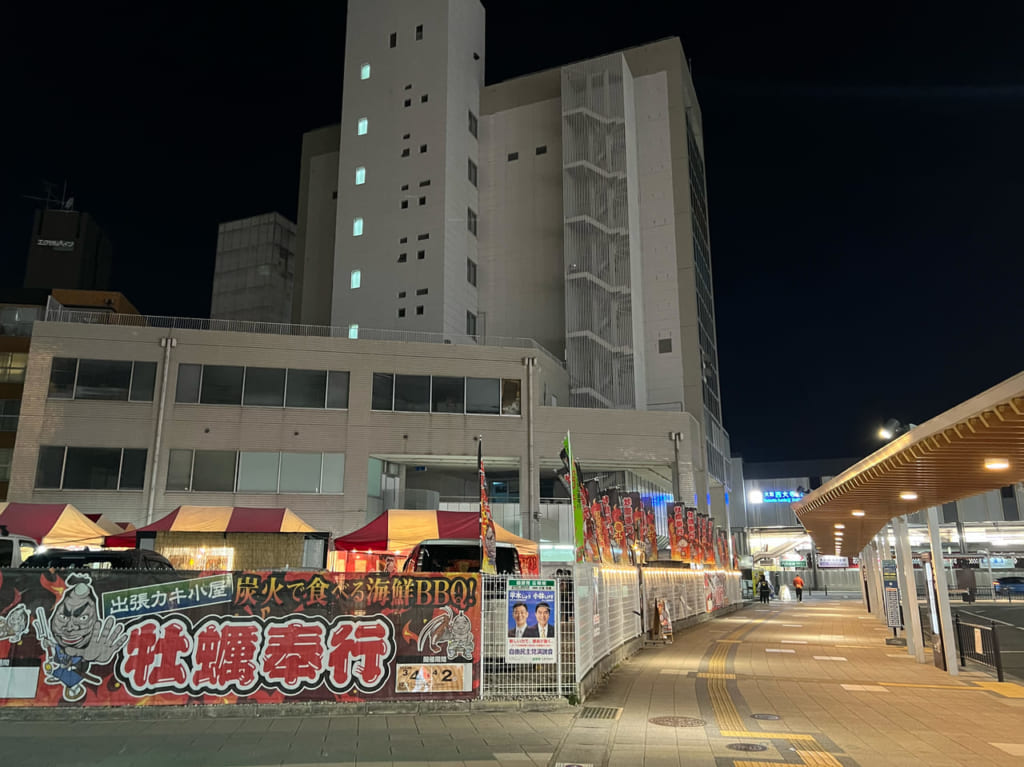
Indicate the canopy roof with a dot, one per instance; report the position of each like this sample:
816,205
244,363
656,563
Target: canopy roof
52,524
939,461
110,526
401,529
221,519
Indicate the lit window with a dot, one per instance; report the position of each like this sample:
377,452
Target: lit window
362,126
357,227
354,279
364,72
353,331
360,176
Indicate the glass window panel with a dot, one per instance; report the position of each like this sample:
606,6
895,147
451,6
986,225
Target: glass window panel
179,470
6,456
300,472
214,471
257,472
353,331
510,401
374,470
143,381
133,469
103,379
383,388
264,386
62,377
334,473
360,175
49,467
92,468
412,394
364,72
448,395
12,366
188,383
222,385
337,389
483,396
306,388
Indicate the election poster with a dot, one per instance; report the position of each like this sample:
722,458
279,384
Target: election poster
108,638
532,621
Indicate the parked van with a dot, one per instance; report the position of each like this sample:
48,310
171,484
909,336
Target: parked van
15,549
131,559
459,555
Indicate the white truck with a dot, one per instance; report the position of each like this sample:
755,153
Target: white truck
15,549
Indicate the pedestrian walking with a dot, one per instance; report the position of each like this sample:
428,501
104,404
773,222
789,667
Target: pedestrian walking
764,589
798,585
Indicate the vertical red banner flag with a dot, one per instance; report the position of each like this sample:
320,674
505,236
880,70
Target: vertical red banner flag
487,534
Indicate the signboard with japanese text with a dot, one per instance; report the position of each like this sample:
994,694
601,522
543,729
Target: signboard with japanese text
108,638
891,592
531,621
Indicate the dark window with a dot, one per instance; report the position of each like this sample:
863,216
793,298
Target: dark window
306,388
419,310
337,389
423,99
401,294
483,396
179,470
664,345
222,385
401,312
334,195
470,324
49,467
103,379
448,394
405,204
420,255
1006,492
62,377
264,386
510,400
425,183
406,136
402,240
408,102
513,156
412,393
422,291
408,87
92,468
401,258
542,150
472,124
471,220
143,381
423,148
382,397
472,172
188,383
419,31
405,152
423,200
423,236
393,40
405,187
133,469
470,271
213,471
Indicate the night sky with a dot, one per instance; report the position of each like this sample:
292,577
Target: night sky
865,167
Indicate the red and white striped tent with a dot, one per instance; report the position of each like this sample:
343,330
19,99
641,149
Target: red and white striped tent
59,525
219,519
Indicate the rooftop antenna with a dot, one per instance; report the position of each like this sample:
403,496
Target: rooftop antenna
55,200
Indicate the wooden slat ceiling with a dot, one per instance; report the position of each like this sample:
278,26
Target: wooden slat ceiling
941,461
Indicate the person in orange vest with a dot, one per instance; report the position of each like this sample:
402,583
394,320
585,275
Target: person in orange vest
798,585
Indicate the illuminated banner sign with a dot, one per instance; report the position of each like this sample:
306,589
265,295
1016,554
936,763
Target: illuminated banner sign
780,496
56,244
156,638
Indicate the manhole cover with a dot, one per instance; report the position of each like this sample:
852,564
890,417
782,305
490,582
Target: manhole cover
765,716
747,747
600,712
677,721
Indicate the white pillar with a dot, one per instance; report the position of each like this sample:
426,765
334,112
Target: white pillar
942,593
908,588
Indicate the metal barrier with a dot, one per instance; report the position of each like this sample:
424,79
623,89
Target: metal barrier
980,643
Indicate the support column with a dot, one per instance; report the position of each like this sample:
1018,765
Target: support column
908,589
720,514
942,593
871,570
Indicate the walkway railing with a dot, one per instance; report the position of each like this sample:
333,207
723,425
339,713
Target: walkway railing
980,643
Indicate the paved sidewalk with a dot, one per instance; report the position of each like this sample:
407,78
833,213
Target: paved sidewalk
837,695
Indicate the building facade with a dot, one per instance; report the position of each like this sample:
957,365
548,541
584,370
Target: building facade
68,250
254,274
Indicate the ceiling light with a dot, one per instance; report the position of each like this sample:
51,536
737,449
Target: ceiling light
857,513
908,495
839,526
996,464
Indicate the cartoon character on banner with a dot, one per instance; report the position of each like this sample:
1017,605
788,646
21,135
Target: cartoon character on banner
604,531
14,625
75,638
591,546
652,535
452,628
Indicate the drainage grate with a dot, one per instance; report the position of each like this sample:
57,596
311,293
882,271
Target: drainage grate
677,721
600,712
765,716
747,747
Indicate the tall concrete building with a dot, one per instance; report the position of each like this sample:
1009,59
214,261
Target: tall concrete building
67,250
255,270
568,206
